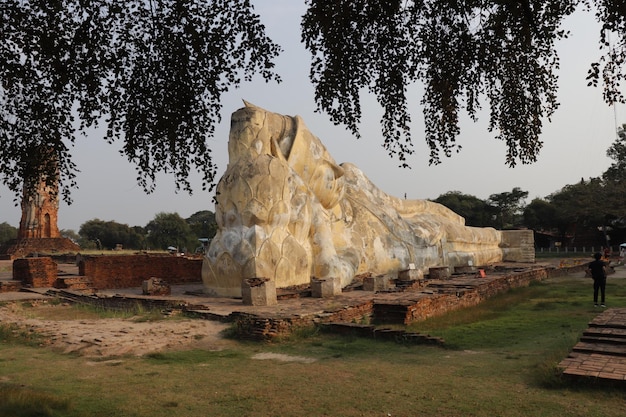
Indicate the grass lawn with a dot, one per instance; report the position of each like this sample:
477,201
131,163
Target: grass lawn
500,360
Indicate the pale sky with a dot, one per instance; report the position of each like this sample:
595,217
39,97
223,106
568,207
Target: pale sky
575,142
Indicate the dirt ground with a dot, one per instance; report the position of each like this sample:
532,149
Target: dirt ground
110,337
69,331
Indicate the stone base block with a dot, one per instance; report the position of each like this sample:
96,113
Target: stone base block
258,292
155,286
439,272
410,275
468,269
325,288
377,283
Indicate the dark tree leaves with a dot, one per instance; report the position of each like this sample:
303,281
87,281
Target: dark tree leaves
154,69
362,44
617,152
611,67
462,52
155,72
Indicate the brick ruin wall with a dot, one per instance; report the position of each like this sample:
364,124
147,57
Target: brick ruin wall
126,271
106,272
250,326
35,272
436,306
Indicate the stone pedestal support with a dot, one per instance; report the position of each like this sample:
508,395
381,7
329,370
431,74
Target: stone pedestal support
325,288
465,269
410,275
439,272
258,292
377,283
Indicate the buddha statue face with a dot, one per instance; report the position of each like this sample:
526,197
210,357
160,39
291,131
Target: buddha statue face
255,131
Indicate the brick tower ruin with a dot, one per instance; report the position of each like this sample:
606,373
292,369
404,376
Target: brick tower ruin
39,232
40,215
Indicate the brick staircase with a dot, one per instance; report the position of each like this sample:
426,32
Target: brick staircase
607,340
601,351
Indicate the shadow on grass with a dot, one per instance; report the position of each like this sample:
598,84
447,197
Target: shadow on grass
18,401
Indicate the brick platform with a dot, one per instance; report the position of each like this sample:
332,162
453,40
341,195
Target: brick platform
394,306
601,351
296,308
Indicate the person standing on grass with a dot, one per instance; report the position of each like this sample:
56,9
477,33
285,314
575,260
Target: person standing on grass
597,269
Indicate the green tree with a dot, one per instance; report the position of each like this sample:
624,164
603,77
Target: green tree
589,205
509,206
541,215
580,203
102,234
7,233
137,237
580,208
70,234
202,224
476,212
169,229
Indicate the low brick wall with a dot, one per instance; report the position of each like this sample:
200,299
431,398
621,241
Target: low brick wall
35,272
126,271
249,326
428,305
440,304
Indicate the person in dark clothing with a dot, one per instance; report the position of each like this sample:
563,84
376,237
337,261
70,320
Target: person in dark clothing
597,269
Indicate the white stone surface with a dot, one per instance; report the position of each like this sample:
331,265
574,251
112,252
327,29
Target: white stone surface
288,212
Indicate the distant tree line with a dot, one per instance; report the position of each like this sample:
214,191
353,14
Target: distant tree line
165,230
7,232
587,207
502,211
590,212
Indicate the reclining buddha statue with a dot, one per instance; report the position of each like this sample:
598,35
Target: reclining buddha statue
287,212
